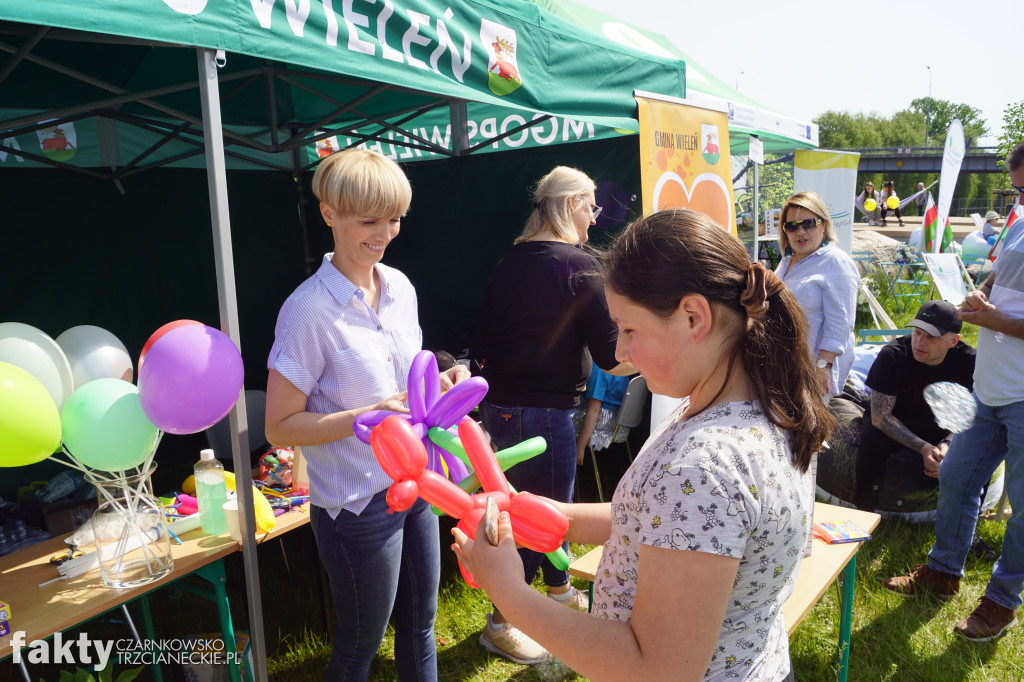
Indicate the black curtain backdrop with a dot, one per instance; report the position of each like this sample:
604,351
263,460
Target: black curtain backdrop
78,251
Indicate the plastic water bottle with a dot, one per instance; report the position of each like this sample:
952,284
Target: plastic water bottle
212,493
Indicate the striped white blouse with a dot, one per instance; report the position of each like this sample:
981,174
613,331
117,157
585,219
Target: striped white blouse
342,355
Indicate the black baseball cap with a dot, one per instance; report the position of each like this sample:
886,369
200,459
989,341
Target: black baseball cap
937,318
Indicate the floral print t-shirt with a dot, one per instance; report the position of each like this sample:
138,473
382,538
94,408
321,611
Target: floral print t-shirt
722,482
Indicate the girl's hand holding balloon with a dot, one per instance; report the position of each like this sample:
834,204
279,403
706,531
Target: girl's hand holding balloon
495,569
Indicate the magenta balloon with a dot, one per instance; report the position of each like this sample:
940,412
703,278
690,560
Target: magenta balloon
365,422
457,403
192,378
423,377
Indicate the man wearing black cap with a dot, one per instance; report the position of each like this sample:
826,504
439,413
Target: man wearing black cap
898,415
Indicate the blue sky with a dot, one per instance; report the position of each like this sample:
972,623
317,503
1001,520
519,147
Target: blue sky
802,57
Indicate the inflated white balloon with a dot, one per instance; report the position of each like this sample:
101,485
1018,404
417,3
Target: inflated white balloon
952,404
95,353
35,352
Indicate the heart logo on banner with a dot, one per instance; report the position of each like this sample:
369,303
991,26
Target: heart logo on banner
709,195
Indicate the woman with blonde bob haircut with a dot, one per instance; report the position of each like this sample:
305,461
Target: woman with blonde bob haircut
361,182
343,345
825,281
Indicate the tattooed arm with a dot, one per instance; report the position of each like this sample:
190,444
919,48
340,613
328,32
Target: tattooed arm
883,420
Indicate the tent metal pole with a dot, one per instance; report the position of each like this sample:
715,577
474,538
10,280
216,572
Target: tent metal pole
508,133
216,172
271,95
458,113
13,151
757,218
25,48
300,198
122,95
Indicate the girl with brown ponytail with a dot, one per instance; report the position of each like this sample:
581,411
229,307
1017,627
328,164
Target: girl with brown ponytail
704,536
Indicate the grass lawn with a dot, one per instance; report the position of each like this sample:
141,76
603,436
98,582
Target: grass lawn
893,638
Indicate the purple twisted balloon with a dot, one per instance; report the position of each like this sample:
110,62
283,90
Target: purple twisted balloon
428,409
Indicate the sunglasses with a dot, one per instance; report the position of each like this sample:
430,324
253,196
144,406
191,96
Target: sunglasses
1019,189
807,225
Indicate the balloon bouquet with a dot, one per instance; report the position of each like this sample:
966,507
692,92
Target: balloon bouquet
420,452
75,395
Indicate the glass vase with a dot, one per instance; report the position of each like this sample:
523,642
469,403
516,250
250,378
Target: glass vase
130,531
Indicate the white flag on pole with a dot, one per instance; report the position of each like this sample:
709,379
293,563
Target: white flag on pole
952,157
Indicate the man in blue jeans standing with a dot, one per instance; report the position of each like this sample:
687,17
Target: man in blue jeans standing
997,435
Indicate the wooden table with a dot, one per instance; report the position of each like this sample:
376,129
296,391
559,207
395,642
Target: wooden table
817,572
43,611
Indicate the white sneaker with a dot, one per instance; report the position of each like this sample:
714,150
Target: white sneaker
509,641
575,600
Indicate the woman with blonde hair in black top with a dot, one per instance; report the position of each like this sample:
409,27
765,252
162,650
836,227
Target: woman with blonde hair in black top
544,317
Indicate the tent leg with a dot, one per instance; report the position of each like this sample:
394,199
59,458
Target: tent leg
458,114
216,173
757,218
300,198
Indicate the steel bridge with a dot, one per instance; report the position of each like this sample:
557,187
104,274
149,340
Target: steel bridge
889,160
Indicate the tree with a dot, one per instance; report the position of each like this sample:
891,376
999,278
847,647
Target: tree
774,183
843,130
939,114
906,128
1013,130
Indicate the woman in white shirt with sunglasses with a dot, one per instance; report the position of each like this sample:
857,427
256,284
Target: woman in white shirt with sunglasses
825,280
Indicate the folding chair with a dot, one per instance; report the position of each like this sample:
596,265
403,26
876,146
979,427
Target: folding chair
630,413
949,276
911,282
878,314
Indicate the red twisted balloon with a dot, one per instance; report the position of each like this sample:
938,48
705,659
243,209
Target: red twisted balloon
536,523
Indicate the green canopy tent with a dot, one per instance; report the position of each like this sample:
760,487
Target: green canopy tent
778,133
108,91
291,71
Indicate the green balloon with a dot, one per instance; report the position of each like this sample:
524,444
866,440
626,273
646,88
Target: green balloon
559,559
29,422
105,427
449,442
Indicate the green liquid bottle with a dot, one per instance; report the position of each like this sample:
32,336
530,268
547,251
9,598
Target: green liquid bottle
212,493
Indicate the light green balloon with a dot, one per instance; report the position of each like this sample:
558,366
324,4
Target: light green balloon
105,427
29,422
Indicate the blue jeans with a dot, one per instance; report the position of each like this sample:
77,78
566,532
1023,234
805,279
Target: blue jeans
379,565
551,474
997,434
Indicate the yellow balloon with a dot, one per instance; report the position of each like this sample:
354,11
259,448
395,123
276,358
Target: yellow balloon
264,512
892,202
870,205
30,428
